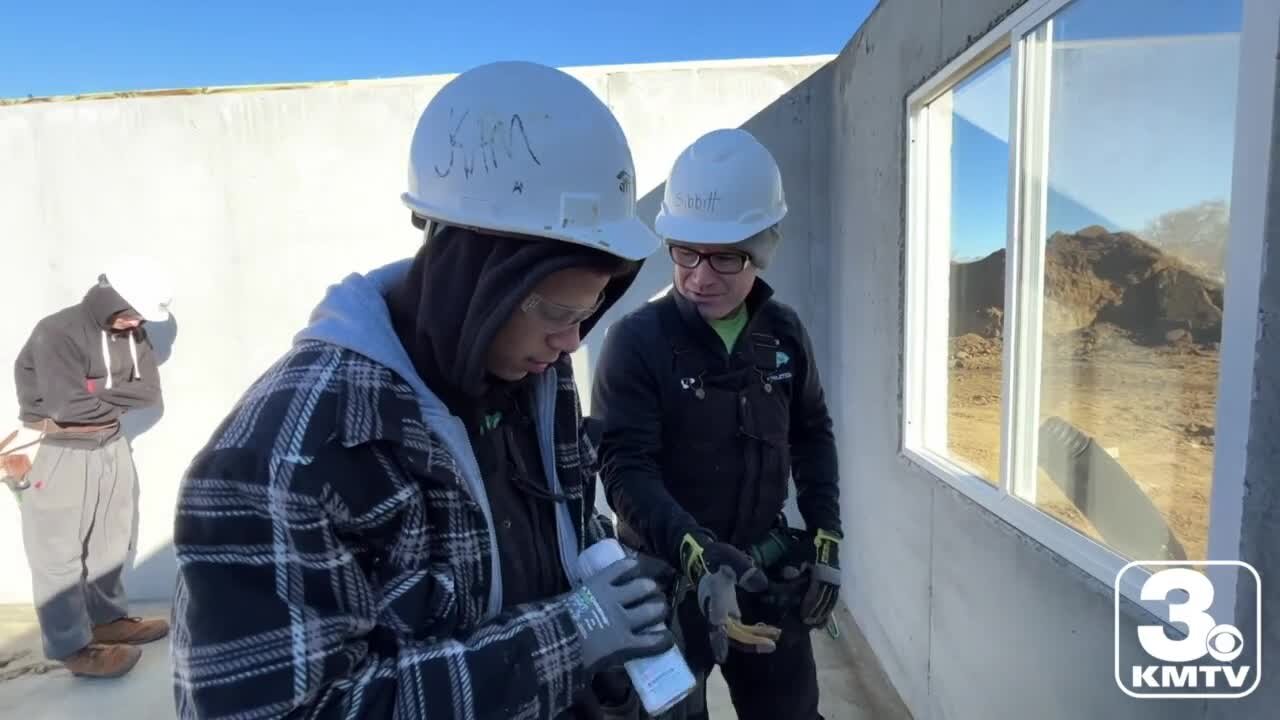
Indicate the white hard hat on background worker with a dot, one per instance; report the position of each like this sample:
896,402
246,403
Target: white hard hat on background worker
143,284
724,189
521,148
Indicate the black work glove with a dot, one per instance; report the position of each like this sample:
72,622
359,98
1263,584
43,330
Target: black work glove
620,613
717,570
612,687
824,580
609,696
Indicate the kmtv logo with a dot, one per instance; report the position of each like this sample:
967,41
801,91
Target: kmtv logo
1205,658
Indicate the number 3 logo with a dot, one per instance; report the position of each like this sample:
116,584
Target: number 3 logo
1204,636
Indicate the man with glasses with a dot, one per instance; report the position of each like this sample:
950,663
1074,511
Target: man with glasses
80,372
389,522
709,400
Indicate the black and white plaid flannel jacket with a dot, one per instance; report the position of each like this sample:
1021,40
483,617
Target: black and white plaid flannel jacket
332,563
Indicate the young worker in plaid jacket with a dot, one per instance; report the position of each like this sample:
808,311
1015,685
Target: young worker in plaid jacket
388,522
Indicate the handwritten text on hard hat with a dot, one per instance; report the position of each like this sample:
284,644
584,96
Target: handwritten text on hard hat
483,142
698,201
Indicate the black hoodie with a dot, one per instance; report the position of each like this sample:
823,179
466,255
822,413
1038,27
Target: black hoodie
61,372
459,292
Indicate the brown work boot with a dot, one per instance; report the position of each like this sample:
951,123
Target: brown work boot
130,631
103,661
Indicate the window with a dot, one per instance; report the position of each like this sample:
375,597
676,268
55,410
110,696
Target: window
1069,206
966,149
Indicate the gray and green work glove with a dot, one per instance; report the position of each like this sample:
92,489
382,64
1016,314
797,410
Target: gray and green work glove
824,580
620,613
717,570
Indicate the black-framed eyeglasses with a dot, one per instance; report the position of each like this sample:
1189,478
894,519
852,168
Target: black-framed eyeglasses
723,262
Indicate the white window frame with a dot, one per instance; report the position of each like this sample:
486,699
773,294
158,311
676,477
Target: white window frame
928,262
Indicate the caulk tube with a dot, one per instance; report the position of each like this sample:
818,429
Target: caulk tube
661,681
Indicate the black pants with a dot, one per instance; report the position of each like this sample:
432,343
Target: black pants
782,685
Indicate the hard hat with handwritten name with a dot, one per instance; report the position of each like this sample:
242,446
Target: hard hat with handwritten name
521,148
723,189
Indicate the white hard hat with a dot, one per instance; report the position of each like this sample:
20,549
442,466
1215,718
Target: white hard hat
143,284
517,147
724,188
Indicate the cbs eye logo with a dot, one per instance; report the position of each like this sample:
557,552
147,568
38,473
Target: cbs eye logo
1213,646
1225,643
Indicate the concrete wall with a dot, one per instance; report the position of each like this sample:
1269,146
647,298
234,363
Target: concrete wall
259,199
970,617
1260,529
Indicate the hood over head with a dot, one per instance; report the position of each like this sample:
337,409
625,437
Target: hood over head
102,303
462,287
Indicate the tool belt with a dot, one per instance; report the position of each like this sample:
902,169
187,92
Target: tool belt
49,427
19,446
778,551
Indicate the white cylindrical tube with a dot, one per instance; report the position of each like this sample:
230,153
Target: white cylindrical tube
661,681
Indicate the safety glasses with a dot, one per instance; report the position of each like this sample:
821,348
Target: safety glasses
555,316
725,263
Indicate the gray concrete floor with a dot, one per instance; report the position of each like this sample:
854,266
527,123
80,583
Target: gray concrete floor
853,685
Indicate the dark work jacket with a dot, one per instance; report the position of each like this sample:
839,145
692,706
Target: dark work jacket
504,438
460,290
697,438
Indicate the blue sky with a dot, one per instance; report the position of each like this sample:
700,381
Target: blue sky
1138,128
1141,120
79,46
